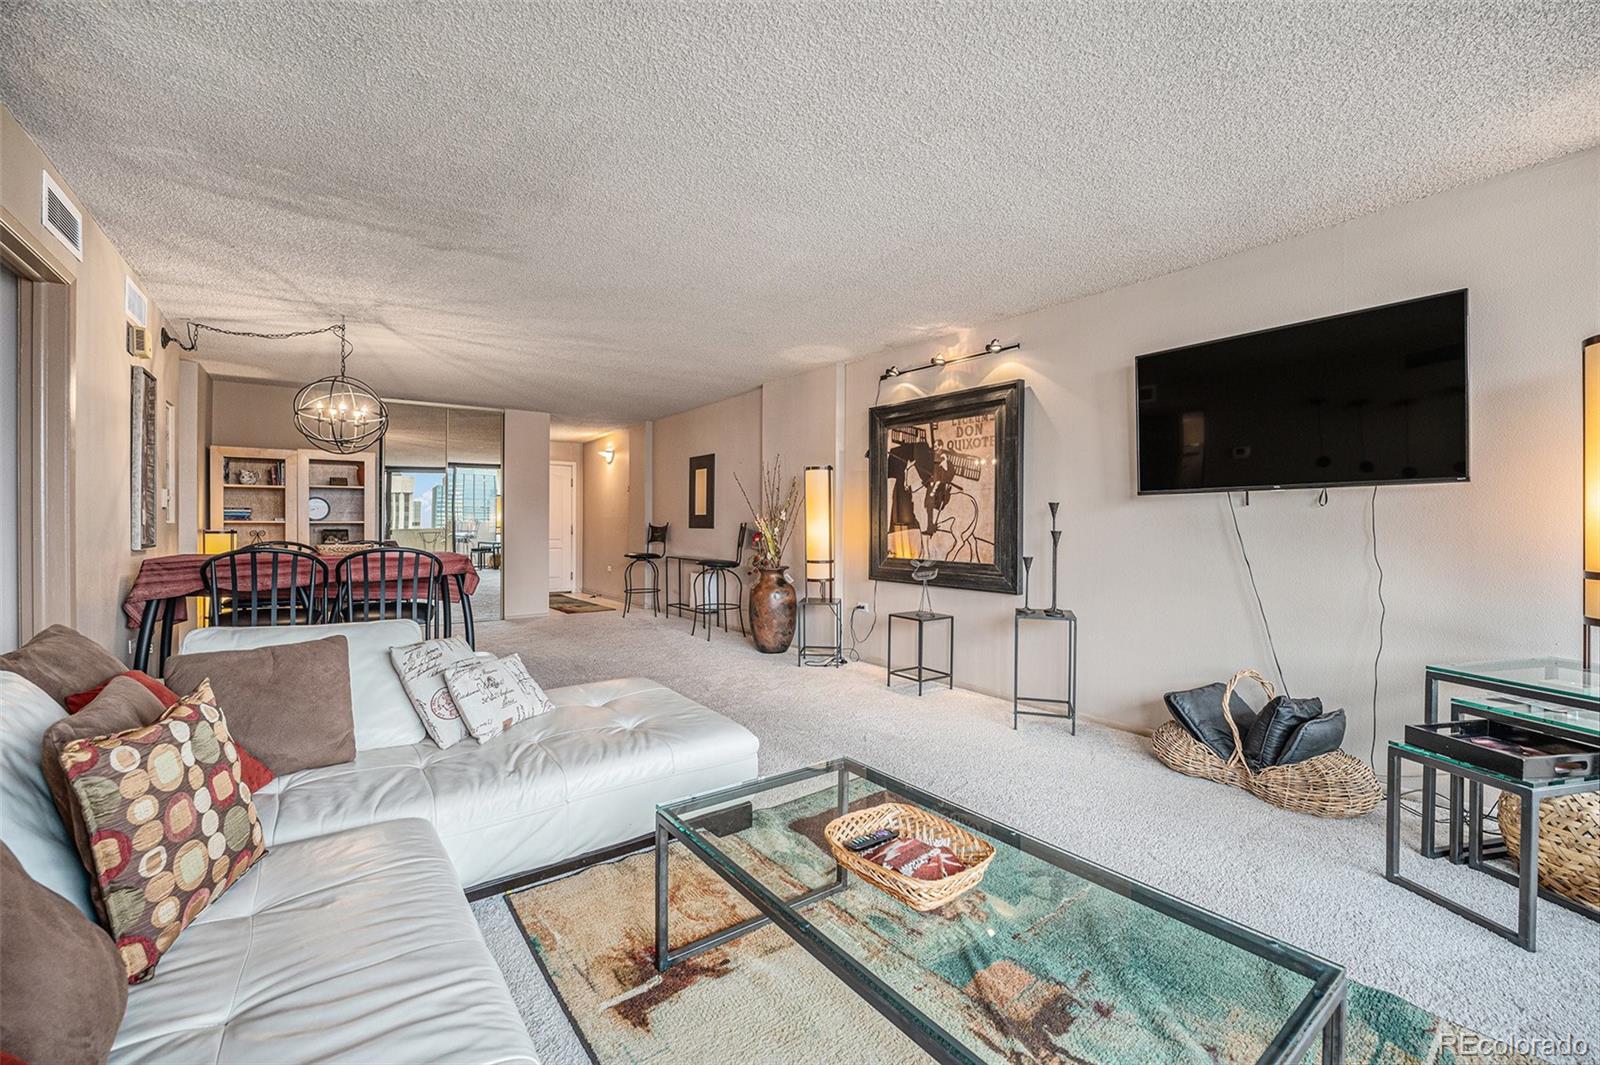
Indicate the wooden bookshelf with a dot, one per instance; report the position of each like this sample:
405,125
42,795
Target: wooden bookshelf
348,486
258,487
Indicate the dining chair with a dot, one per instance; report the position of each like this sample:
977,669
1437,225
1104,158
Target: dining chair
260,585
391,582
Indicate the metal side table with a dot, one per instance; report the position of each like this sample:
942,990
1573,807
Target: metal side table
820,654
1017,698
920,673
1528,793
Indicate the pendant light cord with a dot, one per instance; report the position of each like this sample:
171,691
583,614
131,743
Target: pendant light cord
194,329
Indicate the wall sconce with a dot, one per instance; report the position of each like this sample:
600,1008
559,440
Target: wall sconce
939,358
609,453
819,527
1591,496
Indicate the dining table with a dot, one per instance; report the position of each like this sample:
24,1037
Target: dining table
164,584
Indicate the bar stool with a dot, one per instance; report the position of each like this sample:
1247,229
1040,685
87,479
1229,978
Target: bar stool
653,534
723,568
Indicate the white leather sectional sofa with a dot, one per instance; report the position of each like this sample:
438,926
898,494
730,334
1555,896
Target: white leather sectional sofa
352,940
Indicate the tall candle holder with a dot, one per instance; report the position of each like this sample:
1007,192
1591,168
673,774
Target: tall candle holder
1055,555
1027,571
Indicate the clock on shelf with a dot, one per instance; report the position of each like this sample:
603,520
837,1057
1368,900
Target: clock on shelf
317,508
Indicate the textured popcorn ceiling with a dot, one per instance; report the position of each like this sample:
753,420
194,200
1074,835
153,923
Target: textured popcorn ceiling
615,211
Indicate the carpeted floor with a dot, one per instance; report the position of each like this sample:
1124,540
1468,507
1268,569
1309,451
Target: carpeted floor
1316,883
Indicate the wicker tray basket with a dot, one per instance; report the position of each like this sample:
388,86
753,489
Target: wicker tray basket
1569,844
912,821
1330,785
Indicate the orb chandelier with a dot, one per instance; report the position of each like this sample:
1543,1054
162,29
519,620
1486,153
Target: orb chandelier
339,413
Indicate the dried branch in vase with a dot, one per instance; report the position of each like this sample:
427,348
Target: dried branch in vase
775,513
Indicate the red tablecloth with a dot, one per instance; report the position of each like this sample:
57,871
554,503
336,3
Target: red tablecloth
175,575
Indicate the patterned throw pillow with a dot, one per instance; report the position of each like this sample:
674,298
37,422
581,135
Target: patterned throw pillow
171,824
422,667
495,693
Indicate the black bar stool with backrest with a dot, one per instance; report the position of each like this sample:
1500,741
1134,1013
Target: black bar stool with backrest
391,582
653,534
265,586
722,569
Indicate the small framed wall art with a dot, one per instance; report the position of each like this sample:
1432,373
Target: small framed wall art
703,492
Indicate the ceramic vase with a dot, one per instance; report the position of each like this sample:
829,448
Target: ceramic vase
772,609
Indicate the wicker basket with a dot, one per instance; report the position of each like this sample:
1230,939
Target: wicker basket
1569,844
1330,785
912,821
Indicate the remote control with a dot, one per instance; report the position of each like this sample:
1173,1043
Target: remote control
871,839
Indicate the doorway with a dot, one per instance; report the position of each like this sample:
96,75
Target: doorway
10,533
563,525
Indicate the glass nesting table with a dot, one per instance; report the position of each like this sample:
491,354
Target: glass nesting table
1050,955
1557,696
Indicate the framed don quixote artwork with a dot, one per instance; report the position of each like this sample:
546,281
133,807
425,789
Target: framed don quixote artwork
947,488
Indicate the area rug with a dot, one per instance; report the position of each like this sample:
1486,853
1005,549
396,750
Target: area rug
568,605
1028,972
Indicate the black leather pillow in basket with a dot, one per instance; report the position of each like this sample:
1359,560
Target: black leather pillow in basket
1321,735
1199,711
1265,740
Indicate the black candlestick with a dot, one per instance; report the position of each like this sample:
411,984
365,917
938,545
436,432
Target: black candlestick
1055,554
1027,569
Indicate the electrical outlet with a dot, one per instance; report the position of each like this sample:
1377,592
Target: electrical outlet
130,647
608,567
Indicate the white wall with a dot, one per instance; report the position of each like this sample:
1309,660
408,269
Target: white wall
525,576
729,429
799,424
1474,571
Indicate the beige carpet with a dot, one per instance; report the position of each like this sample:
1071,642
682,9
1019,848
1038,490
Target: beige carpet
1317,883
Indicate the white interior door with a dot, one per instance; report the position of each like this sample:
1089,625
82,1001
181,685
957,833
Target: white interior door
563,526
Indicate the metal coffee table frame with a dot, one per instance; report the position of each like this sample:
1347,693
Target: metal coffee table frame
1320,1013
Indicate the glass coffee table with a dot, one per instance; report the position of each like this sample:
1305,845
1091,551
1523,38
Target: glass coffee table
1049,956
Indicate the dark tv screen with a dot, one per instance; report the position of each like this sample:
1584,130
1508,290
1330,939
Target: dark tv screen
1370,397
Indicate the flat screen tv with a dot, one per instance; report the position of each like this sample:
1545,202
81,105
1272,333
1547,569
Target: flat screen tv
1370,397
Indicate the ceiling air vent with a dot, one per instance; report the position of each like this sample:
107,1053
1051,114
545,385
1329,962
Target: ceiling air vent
137,306
61,218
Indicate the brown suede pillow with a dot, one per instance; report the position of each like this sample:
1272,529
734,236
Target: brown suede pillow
124,704
288,704
63,662
63,982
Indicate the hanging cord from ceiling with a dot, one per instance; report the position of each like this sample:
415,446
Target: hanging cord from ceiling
1383,615
194,329
1245,554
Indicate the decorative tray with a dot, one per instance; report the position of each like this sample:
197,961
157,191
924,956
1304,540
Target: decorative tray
917,823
